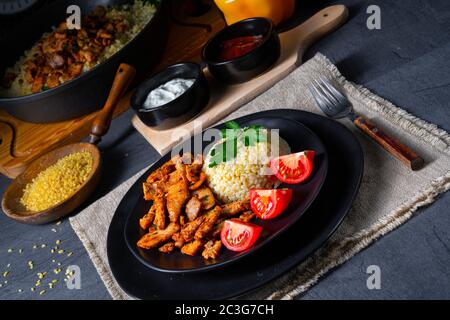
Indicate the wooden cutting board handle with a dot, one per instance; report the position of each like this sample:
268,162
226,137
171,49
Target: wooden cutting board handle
6,139
6,145
316,27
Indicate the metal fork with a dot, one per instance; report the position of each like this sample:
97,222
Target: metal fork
336,106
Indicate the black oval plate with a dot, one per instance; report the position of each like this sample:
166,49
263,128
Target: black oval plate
346,166
299,138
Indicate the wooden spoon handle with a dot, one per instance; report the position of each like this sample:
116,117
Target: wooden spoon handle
393,146
100,125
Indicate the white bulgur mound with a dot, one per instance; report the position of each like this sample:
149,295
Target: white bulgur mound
232,180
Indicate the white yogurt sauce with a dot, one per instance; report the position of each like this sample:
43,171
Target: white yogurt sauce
167,92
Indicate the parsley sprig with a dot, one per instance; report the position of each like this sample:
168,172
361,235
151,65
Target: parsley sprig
231,134
153,2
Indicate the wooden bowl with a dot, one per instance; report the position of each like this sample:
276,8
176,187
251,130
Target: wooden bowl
11,198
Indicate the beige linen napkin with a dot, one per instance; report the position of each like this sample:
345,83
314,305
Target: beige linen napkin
390,193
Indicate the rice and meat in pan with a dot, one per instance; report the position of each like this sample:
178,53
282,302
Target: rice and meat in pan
64,54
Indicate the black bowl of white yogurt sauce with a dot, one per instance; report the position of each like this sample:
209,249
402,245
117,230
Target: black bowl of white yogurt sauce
171,97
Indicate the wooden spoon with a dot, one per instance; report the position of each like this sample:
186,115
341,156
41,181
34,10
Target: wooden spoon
11,198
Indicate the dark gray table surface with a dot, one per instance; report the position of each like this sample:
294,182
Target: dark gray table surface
406,62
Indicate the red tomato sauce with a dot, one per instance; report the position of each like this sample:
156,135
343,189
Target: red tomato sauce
237,47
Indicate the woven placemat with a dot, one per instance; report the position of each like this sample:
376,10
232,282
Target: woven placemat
390,193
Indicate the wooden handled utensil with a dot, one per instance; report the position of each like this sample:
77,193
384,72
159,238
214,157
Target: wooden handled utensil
336,105
11,204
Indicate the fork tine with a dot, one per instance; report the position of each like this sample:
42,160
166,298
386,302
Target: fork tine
322,93
316,95
329,94
322,100
333,89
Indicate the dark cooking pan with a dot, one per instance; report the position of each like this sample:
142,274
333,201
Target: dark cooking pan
88,92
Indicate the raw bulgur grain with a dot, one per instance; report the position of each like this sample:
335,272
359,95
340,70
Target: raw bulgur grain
58,182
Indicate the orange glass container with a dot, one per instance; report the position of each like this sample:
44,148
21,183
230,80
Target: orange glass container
237,10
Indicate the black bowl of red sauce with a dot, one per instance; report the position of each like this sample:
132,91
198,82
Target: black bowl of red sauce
242,51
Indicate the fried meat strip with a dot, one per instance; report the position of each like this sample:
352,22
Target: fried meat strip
199,183
190,228
161,173
153,190
207,226
158,237
193,169
212,249
178,239
177,191
167,248
193,208
218,228
155,215
146,221
233,208
160,213
192,248
194,172
177,195
206,196
247,216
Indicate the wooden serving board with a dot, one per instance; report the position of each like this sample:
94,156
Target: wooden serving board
22,142
226,99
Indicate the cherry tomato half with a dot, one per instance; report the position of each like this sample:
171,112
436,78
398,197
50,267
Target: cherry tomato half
293,168
269,203
239,236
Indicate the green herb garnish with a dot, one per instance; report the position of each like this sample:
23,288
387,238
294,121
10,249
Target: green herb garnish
232,125
212,164
252,135
231,134
153,2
